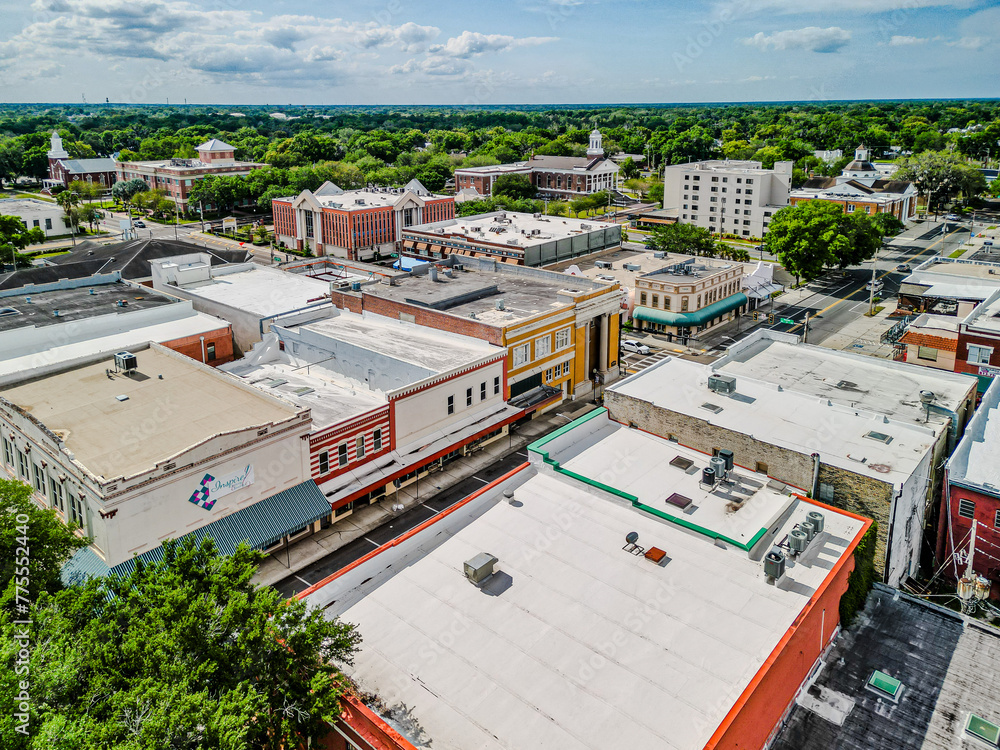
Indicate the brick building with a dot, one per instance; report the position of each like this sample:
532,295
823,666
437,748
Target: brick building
692,296
554,177
356,224
580,637
45,327
847,429
177,176
510,237
391,400
861,188
973,495
560,332
63,170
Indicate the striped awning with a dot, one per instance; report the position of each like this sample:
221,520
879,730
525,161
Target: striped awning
258,526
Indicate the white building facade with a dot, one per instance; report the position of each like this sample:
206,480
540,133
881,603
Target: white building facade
736,198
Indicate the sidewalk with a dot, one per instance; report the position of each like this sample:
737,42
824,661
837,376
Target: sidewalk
314,548
863,335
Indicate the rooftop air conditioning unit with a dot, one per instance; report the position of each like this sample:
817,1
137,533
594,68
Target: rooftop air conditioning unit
480,567
632,267
604,264
722,383
126,362
659,255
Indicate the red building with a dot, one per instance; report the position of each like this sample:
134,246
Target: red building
555,177
177,176
63,170
972,494
356,224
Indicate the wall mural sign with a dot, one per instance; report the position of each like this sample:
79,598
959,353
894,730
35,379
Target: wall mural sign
212,488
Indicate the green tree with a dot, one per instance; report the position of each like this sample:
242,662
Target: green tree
684,239
888,224
817,234
514,185
36,536
628,169
15,236
184,653
941,174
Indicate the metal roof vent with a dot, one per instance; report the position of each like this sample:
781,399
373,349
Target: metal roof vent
480,567
500,305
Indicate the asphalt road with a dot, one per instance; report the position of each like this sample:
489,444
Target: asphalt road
840,297
434,504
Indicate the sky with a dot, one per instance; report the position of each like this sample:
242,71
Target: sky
483,52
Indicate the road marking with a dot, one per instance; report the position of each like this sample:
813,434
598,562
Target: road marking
302,579
480,479
435,512
371,542
831,306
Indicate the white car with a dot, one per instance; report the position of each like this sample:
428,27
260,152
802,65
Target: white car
876,285
634,346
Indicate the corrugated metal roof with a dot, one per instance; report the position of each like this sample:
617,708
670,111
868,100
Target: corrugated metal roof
84,564
257,525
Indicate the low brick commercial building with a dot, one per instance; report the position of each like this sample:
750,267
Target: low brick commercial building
63,170
849,430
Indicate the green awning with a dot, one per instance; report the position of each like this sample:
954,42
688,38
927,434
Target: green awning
691,319
258,525
985,381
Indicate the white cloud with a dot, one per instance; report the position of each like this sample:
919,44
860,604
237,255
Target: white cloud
905,41
739,8
811,38
969,42
472,44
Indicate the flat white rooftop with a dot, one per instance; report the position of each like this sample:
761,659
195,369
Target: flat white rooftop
331,397
500,226
864,383
986,317
785,416
259,290
428,348
186,403
576,643
974,462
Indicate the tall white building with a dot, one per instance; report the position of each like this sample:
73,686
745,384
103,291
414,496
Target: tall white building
727,197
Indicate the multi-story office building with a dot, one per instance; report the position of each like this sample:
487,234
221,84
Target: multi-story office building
177,176
727,197
356,224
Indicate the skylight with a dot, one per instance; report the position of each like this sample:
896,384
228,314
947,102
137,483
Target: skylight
711,407
880,436
984,730
882,683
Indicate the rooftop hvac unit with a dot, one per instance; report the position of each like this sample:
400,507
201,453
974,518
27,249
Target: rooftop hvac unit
604,264
727,455
808,529
355,286
708,476
816,519
722,383
659,255
774,564
718,467
797,541
126,362
632,267
480,567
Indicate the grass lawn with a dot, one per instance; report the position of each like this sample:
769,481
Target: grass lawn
58,251
960,252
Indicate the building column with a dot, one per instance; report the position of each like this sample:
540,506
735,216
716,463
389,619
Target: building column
602,367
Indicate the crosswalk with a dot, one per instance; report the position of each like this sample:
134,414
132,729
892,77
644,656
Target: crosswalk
647,361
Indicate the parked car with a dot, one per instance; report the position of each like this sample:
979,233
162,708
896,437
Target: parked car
139,223
952,217
877,285
649,246
634,346
904,268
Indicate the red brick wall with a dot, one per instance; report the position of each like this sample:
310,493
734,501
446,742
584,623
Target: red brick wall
764,702
422,316
284,218
962,353
987,533
190,346
330,439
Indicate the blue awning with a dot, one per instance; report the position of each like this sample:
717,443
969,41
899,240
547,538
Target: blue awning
691,319
258,525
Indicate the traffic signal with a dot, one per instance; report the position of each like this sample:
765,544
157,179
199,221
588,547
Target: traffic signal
756,316
770,319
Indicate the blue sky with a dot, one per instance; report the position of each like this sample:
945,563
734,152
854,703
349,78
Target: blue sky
492,52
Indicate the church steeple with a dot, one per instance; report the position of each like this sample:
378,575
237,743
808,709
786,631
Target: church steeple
56,150
595,148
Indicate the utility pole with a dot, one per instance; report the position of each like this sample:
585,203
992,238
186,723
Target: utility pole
871,292
805,329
